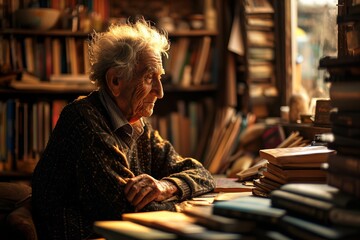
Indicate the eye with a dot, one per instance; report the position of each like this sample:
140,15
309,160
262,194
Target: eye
149,77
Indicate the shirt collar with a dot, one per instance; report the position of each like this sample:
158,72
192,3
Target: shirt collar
117,118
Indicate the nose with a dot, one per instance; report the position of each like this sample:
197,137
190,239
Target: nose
158,88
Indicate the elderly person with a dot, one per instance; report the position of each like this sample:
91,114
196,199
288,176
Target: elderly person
103,158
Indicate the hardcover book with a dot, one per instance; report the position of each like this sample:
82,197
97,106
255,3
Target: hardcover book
346,131
270,183
348,119
297,156
344,164
323,192
302,206
113,230
224,184
345,183
263,187
337,140
346,150
249,208
177,223
297,174
303,229
205,217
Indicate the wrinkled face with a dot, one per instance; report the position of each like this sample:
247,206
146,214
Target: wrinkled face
141,93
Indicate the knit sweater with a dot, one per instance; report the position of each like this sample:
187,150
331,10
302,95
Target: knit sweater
81,175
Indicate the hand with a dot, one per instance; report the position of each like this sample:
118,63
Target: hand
143,189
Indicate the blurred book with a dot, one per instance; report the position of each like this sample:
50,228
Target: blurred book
338,140
303,229
344,118
70,78
344,92
204,216
344,164
177,223
297,174
345,182
252,172
249,208
224,184
113,230
323,203
259,6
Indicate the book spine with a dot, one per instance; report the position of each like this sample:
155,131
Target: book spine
297,232
301,206
345,119
344,164
345,217
345,183
234,213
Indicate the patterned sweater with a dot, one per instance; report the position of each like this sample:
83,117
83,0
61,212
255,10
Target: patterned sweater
80,176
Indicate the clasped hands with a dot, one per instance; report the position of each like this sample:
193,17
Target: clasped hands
143,189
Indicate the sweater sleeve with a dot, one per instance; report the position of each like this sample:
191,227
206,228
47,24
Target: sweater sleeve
188,174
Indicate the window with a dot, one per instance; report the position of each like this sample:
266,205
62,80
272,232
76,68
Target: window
316,37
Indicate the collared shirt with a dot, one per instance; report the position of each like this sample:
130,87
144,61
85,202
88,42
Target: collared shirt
126,131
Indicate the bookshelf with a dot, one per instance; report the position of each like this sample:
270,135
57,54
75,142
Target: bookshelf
258,54
261,58
44,53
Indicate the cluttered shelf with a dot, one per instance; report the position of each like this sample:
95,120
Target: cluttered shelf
52,89
69,33
21,93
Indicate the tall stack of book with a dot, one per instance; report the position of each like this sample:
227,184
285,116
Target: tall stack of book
344,77
291,165
344,167
317,211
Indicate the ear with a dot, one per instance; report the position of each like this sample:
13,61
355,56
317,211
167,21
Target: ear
113,82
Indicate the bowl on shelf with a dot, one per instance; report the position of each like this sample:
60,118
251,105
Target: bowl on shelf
36,18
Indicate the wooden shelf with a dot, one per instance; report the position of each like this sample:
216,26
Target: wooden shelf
52,33
69,33
6,92
13,93
192,33
199,88
34,46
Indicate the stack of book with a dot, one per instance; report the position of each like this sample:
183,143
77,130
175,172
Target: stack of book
344,167
317,211
296,211
291,165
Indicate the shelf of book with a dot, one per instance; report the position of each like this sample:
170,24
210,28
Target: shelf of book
254,46
190,83
7,92
69,33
